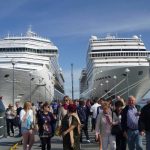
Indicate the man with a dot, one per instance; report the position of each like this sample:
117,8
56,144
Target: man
93,110
129,124
82,113
19,108
144,124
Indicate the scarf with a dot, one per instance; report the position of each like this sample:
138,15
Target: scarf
71,132
65,106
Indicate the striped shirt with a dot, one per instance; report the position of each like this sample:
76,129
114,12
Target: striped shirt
132,118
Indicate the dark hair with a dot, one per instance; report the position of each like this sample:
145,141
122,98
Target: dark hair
45,104
118,103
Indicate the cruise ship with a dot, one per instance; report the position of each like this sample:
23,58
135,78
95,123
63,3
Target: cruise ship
115,67
29,69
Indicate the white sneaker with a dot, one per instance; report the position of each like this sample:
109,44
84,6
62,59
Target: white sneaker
88,141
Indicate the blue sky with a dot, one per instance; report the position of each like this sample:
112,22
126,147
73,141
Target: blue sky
70,23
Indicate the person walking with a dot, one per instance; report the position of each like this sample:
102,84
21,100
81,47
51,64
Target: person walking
104,123
82,113
71,129
144,124
129,124
27,118
46,121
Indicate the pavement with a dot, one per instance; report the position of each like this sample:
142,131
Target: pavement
56,143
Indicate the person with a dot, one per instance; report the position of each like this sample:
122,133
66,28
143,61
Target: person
46,121
103,128
63,109
18,110
120,139
82,111
27,118
144,124
71,129
10,116
93,111
129,124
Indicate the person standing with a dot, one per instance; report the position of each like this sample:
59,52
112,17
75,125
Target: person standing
10,116
144,124
129,124
18,110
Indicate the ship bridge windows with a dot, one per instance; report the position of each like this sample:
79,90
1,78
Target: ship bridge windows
140,73
6,75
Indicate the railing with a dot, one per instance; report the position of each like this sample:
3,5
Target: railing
2,125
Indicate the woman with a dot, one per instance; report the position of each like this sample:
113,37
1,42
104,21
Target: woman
46,121
71,129
120,139
26,118
103,128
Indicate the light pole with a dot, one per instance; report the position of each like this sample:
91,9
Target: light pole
101,88
13,86
115,78
127,70
107,85
31,79
72,81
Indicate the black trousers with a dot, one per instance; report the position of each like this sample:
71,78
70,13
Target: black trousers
9,123
121,142
85,129
46,142
93,124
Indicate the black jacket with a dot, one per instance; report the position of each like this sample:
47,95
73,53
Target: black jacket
144,120
124,117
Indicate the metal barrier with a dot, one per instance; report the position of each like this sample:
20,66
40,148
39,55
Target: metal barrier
2,120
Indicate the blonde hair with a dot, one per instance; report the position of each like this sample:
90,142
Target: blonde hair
26,106
105,105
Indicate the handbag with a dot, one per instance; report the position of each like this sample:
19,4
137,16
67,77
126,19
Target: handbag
115,129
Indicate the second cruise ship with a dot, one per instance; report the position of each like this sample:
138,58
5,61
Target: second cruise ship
115,67
29,69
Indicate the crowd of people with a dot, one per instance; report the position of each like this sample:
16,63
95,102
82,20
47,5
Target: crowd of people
117,124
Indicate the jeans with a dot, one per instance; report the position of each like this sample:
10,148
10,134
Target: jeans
147,140
134,140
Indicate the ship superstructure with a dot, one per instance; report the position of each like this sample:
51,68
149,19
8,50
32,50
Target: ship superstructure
29,69
115,66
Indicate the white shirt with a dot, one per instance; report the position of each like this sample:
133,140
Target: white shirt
22,113
94,109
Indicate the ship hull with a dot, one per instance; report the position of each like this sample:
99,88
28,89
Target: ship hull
33,88
117,82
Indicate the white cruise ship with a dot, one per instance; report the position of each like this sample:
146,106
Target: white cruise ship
115,67
29,69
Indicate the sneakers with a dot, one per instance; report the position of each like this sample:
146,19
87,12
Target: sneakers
88,141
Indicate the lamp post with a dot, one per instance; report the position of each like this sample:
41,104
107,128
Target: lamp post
107,85
13,86
101,89
127,70
72,81
31,79
115,78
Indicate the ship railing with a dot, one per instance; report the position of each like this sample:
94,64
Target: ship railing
126,89
113,87
133,86
3,126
